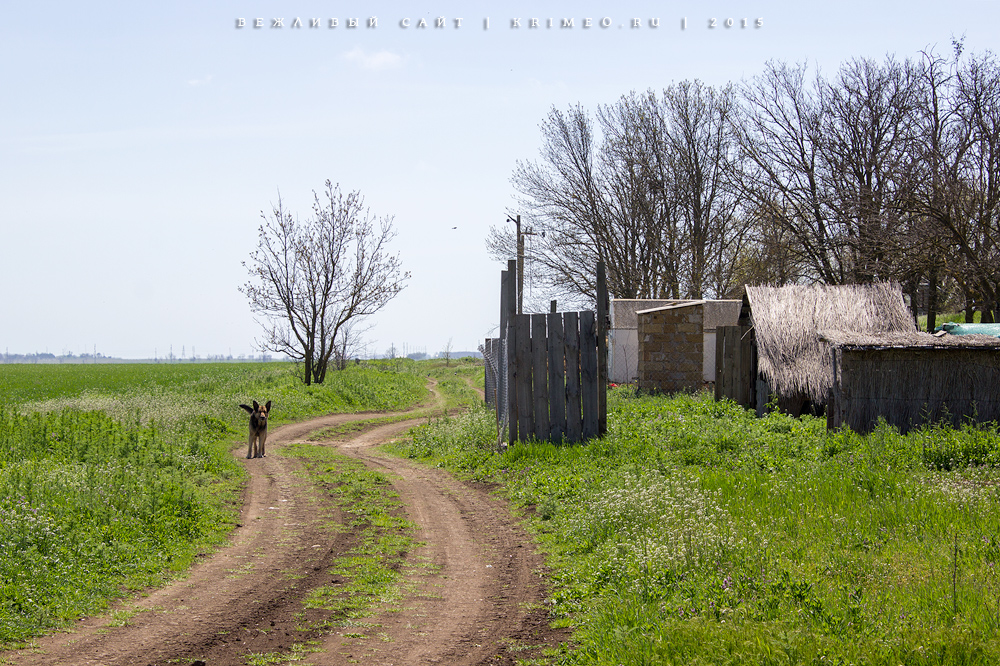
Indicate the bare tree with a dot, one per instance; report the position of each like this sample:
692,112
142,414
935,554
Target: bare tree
773,254
890,169
349,343
601,191
779,134
837,164
311,280
562,197
699,133
869,138
926,251
646,189
446,352
644,248
956,238
976,233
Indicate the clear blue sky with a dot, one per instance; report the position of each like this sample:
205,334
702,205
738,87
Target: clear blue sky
140,141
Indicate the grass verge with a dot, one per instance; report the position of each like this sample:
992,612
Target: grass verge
454,391
370,572
695,533
112,478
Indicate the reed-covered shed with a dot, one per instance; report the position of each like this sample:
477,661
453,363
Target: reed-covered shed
910,379
793,362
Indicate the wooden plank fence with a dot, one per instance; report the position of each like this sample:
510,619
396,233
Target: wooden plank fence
571,357
555,382
736,366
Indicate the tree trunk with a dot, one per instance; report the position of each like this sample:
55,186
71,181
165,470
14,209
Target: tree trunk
307,363
913,292
932,299
990,312
970,306
319,370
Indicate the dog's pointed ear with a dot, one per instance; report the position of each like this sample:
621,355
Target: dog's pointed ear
268,406
255,405
248,408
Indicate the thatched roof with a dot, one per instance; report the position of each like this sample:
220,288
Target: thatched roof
914,340
787,320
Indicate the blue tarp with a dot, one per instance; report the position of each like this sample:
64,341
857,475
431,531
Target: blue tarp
969,329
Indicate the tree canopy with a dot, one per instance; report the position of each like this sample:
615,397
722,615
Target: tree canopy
311,281
887,170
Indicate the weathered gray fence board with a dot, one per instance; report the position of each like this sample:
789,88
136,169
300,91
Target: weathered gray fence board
493,347
722,373
557,378
730,336
507,330
602,349
588,374
571,332
736,365
540,376
720,347
522,376
738,368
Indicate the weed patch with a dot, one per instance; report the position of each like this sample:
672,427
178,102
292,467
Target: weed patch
370,573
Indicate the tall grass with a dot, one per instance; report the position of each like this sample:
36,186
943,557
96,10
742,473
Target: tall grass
695,533
112,477
177,393
89,506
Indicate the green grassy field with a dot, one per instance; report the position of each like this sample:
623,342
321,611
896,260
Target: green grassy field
695,533
692,533
114,476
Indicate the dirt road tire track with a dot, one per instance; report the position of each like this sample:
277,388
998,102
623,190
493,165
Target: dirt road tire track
482,599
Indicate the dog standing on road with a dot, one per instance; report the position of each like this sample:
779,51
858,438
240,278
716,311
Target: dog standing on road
258,428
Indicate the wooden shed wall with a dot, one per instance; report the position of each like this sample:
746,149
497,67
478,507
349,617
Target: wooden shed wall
909,387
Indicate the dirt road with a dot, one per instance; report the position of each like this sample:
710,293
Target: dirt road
480,603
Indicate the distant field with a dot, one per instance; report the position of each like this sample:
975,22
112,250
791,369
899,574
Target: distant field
113,476
26,382
372,386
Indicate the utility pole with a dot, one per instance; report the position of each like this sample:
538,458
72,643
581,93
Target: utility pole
520,259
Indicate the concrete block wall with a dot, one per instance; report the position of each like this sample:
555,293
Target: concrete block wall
672,348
